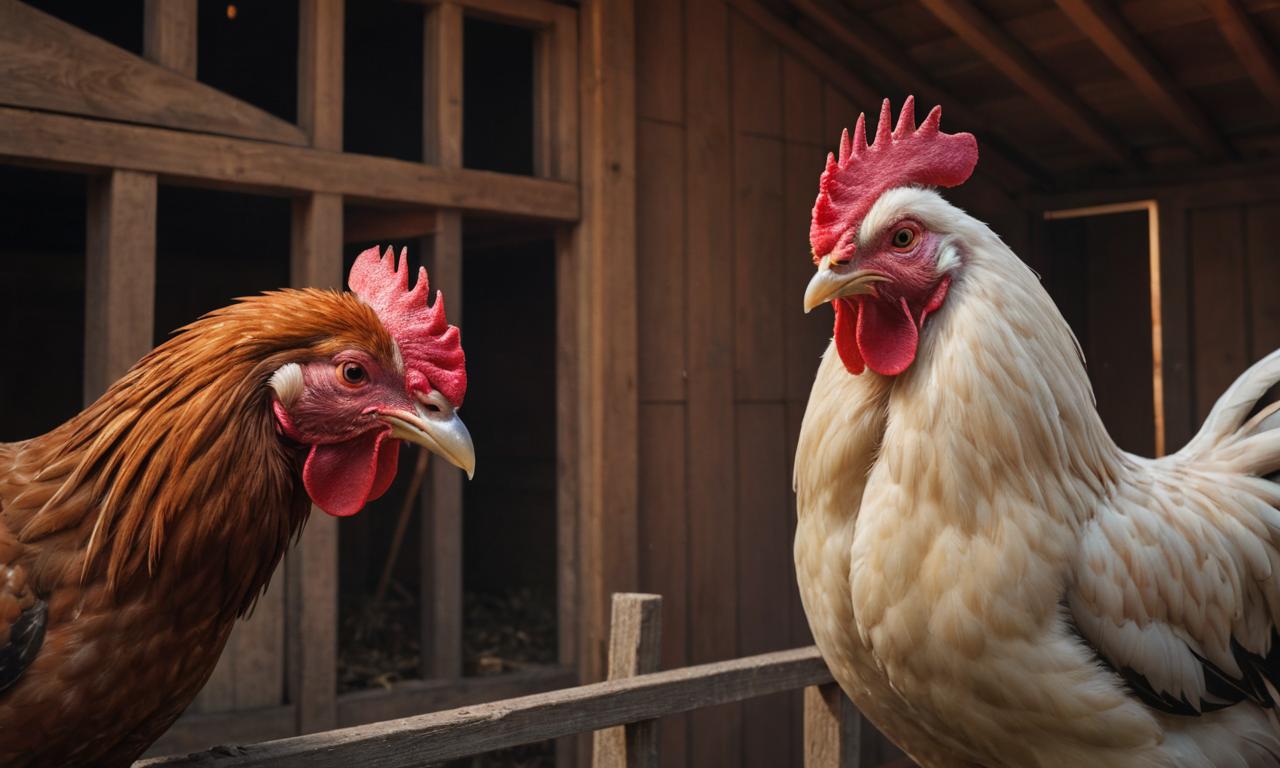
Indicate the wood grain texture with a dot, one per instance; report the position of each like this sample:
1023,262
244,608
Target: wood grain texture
442,86
320,76
1262,234
258,648
635,645
660,260
1175,295
1219,334
120,276
660,61
832,729
1254,51
414,741
80,144
759,347
169,31
802,103
564,46
806,334
756,61
48,64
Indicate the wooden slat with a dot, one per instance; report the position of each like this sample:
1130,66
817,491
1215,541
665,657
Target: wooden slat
876,48
1112,35
362,224
715,736
442,84
1256,54
1262,232
320,49
564,110
196,731
258,649
1006,54
635,641
756,61
77,143
48,64
219,692
120,276
831,728
1175,311
169,34
759,314
413,697
806,334
660,61
660,251
570,338
414,741
311,567
534,13
1219,335
802,103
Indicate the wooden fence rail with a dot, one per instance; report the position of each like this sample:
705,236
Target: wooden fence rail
831,728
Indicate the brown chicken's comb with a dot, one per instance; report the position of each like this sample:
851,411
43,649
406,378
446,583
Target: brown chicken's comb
904,156
430,347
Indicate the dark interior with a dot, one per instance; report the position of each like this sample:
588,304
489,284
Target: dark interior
497,78
119,22
382,104
249,49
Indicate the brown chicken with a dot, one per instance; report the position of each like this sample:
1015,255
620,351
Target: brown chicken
133,536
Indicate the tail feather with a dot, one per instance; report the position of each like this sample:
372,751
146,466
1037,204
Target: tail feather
1243,426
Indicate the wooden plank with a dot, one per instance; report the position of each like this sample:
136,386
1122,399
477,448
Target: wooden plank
48,64
1113,36
196,731
258,651
413,697
831,728
607,303
1220,335
311,567
169,34
806,336
802,103
766,586
715,736
664,545
635,643
320,49
1256,54
1006,54
531,13
414,741
564,148
362,224
570,338
759,315
660,251
1262,232
756,60
120,276
219,692
660,61
442,84
77,143
1175,322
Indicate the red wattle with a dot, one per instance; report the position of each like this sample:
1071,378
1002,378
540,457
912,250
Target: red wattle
887,336
342,477
388,461
847,311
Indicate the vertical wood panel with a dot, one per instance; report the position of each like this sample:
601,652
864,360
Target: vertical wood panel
806,335
838,114
565,149
660,61
765,586
442,86
757,79
759,318
169,34
120,276
802,103
1175,310
660,259
1220,334
258,647
716,734
1262,239
219,691
320,49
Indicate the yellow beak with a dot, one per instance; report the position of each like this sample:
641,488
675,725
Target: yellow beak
434,424
836,281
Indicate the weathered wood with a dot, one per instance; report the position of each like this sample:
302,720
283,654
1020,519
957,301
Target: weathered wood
442,86
635,645
311,567
565,96
716,737
759,313
120,276
196,731
756,61
660,249
802,103
1101,23
1175,322
362,224
1256,54
48,64
832,728
414,741
76,143
660,61
1219,336
320,49
169,34
1006,54
258,649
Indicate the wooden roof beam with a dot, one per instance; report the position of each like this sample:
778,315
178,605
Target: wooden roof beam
873,46
1008,56
1254,52
1112,35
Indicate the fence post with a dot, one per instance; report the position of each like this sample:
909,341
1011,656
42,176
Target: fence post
832,728
635,640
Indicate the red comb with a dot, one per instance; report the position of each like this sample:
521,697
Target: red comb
899,157
430,347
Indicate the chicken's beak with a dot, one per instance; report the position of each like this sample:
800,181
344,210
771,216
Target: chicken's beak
834,281
434,424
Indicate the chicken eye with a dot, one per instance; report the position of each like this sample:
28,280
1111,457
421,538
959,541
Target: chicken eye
352,374
903,238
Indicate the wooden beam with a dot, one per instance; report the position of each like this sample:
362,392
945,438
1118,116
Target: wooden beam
1256,54
635,647
320,49
169,34
832,728
48,64
415,741
120,276
876,48
76,143
361,224
1111,34
413,697
606,301
1008,56
442,86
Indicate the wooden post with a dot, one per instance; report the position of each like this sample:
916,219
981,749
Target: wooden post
120,276
832,728
635,646
320,41
169,34
441,574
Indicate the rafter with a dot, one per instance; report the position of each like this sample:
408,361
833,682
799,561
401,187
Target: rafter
1112,35
1255,53
873,46
1008,56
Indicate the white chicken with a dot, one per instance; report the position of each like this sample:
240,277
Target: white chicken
990,578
